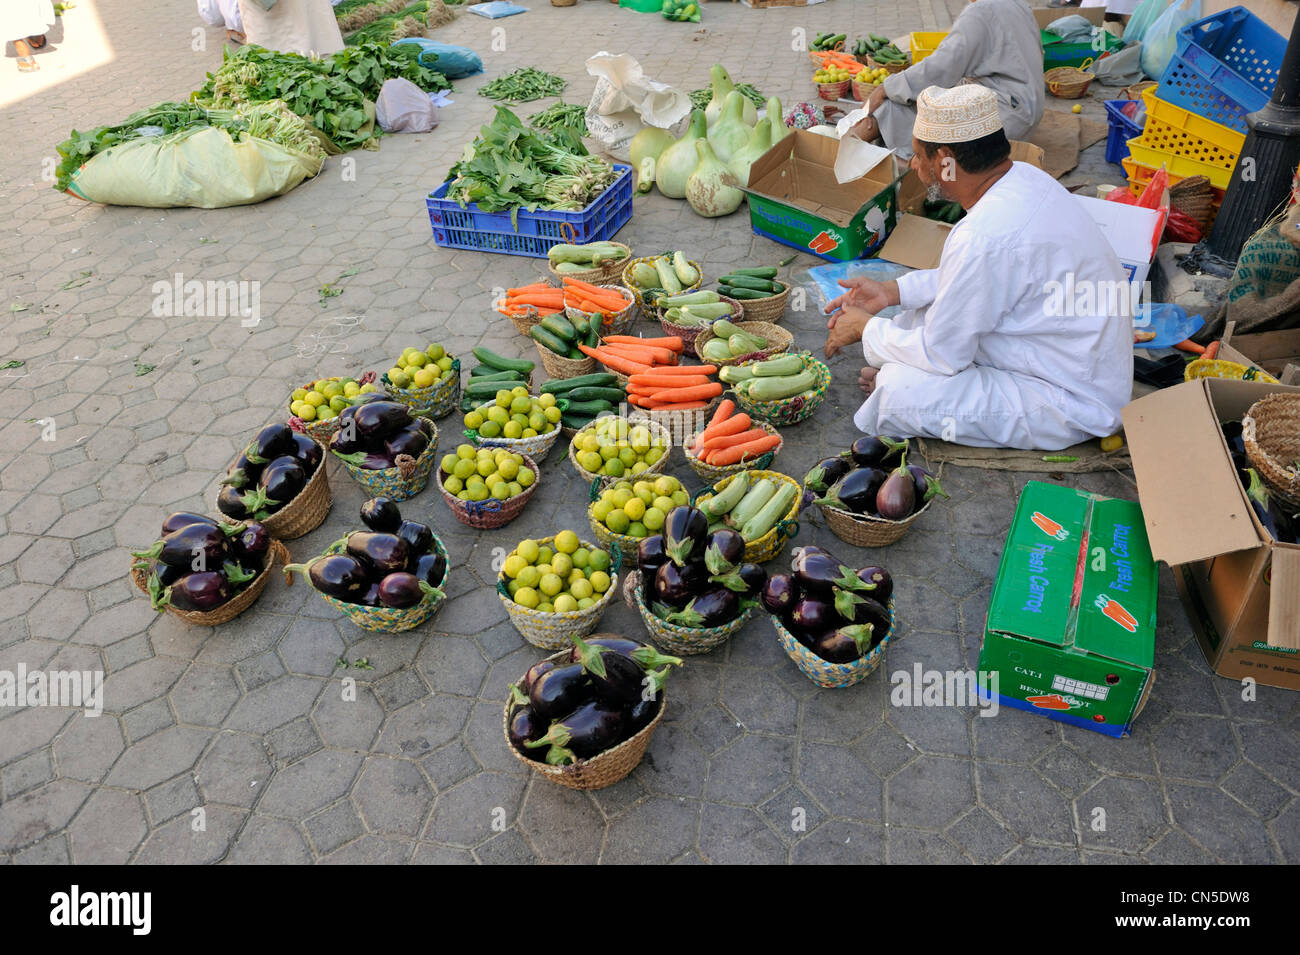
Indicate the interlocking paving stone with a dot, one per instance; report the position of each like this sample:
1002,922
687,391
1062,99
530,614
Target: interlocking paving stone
1132,814
654,831
929,792
1220,823
839,842
265,841
108,828
234,770
393,796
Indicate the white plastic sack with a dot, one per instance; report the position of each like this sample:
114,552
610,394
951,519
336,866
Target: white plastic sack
1160,42
403,107
625,101
1119,68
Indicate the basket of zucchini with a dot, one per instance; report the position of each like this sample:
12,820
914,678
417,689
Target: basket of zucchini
760,295
596,262
557,338
654,277
729,343
763,506
588,396
494,373
688,314
783,390
879,52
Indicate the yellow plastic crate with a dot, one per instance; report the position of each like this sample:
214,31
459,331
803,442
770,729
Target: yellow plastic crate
925,43
1223,138
1185,143
1139,176
1178,166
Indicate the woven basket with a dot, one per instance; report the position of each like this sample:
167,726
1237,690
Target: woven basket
536,447
778,339
525,322
769,545
875,64
769,309
405,480
600,771
864,530
233,607
388,619
794,409
1068,82
616,324
714,473
657,430
687,641
564,3
835,675
862,91
436,401
688,333
1219,368
606,273
833,91
1271,431
322,431
552,631
648,311
492,513
557,366
307,511
679,424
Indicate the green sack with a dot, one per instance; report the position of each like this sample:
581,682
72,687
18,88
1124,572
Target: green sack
201,167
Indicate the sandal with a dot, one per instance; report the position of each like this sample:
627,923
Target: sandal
28,64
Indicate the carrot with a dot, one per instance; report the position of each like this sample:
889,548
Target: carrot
537,298
616,363
616,300
668,381
677,406
729,440
736,424
690,393
671,342
687,370
1191,346
535,287
571,282
653,356
752,449
1211,350
725,411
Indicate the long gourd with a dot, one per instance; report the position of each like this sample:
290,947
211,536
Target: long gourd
752,502
727,498
777,367
774,389
766,519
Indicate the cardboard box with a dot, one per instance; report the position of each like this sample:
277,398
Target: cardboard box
1072,621
795,200
1241,588
1133,233
1272,353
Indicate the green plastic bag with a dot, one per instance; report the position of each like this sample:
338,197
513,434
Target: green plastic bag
642,6
202,168
684,11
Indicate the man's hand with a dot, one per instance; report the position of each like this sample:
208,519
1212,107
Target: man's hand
845,327
867,294
877,97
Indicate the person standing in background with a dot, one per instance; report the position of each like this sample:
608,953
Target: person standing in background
25,22
223,13
292,26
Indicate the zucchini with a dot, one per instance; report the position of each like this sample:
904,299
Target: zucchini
725,329
667,277
485,373
577,421
774,389
594,393
742,344
779,367
706,310
560,327
771,512
500,363
716,349
734,373
766,272
742,294
752,502
546,339
685,272
592,408
593,332
645,275
702,297
600,379
727,498
747,281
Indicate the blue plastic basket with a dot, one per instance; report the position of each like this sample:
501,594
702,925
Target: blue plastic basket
472,228
1122,129
1225,67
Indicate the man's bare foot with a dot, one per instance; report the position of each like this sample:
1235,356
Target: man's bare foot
867,380
868,129
26,62
235,37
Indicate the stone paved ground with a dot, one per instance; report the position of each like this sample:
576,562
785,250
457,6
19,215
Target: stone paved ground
247,721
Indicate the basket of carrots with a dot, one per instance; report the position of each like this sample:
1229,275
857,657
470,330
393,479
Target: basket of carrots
529,304
614,304
680,397
731,443
625,355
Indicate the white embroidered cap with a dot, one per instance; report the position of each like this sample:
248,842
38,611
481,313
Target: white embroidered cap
956,115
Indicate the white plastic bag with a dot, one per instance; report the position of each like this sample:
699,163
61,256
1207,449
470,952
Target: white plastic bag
1119,68
625,101
1160,42
403,107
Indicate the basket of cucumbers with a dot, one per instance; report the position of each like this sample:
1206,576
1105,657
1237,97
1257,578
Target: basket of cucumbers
687,315
492,374
760,295
653,277
557,338
730,343
878,52
594,262
587,396
762,506
782,390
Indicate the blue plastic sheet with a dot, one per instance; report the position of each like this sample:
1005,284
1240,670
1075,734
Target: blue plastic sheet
824,279
1171,323
453,62
497,9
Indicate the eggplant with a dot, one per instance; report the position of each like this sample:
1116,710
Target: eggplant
195,547
411,440
1232,434
675,586
346,441
533,673
779,593
747,580
524,727
856,491
642,714
418,537
306,452
817,573
615,678
178,519
273,441
878,451
559,691
826,472
251,543
337,575
925,484
896,500
231,503
812,616
724,552
385,553
204,590
712,608
650,557
243,473
880,585
282,480
166,573
369,461
401,590
431,568
858,609
844,644
377,420
237,576
371,597
381,514
686,534
587,731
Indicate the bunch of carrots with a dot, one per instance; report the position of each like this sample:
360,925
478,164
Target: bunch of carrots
829,58
540,297
731,438
593,299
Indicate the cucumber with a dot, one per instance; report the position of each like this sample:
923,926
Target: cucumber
594,393
779,367
742,294
546,339
560,327
770,513
592,408
485,373
481,393
500,363
727,498
575,353
701,297
765,272
752,502
576,421
580,325
593,332
748,281
594,380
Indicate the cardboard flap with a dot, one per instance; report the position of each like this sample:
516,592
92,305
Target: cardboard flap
916,242
1284,605
1192,503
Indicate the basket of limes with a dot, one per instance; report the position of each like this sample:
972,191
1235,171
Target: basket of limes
487,487
613,447
627,512
427,379
316,405
517,421
555,588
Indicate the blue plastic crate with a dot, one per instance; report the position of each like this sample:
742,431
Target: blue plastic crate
472,228
1122,129
1226,66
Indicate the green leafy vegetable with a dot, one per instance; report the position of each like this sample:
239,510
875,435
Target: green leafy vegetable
523,86
700,98
571,115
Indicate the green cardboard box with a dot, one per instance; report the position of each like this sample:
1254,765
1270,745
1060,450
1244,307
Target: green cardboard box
1072,620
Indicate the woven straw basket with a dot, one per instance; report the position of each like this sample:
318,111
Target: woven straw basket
535,447
1271,432
552,631
1068,82
648,311
1219,368
625,544
714,473
688,333
405,480
606,273
687,641
835,675
307,510
616,324
796,408
436,401
769,309
875,64
388,619
558,366
770,544
492,513
599,771
322,431
833,91
657,430
231,608
864,530
778,341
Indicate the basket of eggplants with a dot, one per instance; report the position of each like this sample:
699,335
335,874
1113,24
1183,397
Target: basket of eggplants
833,621
693,589
583,717
390,577
869,494
388,450
206,571
278,481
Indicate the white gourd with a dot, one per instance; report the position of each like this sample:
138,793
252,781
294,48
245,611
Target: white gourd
711,189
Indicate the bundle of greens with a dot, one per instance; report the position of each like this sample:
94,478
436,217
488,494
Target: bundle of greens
409,19
700,98
523,86
352,15
510,166
561,114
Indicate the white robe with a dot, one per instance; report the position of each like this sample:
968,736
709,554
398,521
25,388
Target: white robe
996,43
221,13
308,27
20,19
987,351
